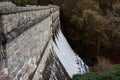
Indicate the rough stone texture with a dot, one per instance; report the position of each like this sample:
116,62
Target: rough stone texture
16,20
50,67
3,70
8,8
28,50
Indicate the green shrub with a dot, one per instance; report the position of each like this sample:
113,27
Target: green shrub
116,67
105,75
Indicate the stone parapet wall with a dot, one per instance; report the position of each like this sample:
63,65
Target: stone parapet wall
26,51
8,8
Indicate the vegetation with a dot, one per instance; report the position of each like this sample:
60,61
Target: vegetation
29,2
92,27
113,74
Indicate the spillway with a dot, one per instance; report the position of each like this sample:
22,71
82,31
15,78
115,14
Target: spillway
72,63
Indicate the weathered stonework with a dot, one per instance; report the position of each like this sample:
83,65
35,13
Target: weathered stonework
28,47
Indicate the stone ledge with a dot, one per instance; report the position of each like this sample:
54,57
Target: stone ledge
9,7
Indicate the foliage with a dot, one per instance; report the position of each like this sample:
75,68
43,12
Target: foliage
116,67
29,2
89,25
105,75
92,25
105,5
116,9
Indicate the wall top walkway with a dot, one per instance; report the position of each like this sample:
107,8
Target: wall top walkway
9,7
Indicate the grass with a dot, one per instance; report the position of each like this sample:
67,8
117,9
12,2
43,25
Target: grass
113,74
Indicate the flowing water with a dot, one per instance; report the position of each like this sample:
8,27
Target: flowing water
72,63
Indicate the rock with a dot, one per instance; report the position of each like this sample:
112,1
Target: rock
7,7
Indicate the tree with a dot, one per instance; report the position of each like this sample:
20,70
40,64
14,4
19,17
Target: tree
105,5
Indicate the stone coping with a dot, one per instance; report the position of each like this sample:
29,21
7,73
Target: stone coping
9,7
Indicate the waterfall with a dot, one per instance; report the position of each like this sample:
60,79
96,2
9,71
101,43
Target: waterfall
72,63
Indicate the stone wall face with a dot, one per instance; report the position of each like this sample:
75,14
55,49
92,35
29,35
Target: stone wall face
28,44
16,20
24,51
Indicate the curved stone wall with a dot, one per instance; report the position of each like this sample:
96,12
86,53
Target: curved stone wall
26,51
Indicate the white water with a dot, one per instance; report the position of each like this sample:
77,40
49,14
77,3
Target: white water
72,63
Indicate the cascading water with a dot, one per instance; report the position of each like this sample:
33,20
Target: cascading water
72,63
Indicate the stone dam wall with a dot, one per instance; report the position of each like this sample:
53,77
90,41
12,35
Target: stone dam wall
26,38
